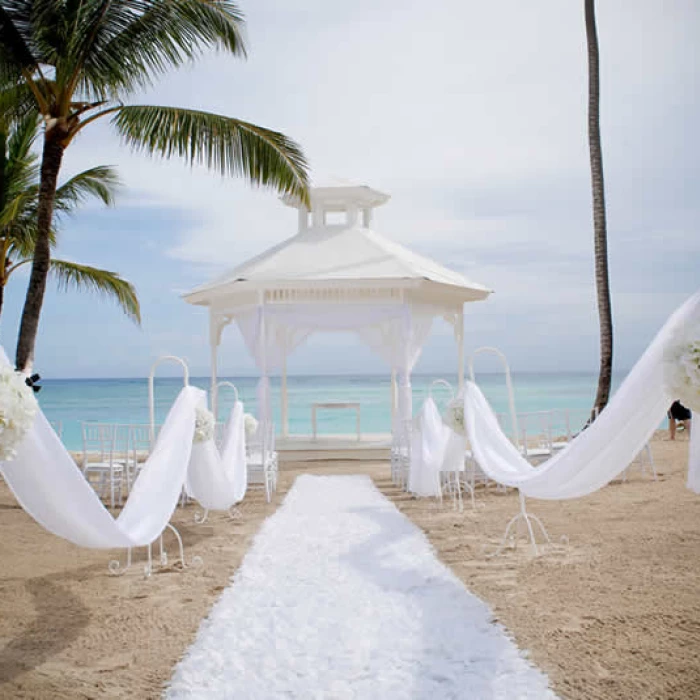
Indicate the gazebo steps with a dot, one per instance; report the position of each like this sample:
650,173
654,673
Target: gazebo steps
306,448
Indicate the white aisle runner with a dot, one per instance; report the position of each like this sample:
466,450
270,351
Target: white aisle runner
341,597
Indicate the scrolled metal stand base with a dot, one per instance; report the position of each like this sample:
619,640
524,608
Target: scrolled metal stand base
201,518
115,568
512,530
234,513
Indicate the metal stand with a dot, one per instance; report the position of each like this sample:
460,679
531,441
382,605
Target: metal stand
513,530
116,569
643,467
201,518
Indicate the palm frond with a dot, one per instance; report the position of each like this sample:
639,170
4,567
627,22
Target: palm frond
103,48
17,100
103,282
16,55
21,169
22,205
231,146
22,238
23,135
100,182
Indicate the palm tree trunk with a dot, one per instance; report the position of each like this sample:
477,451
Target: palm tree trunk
599,219
50,165
2,294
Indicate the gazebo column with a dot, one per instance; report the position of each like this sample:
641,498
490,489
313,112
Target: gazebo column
214,340
264,383
284,398
459,337
393,398
405,389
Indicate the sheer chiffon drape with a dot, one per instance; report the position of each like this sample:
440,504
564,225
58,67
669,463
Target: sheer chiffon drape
219,480
395,332
49,485
601,451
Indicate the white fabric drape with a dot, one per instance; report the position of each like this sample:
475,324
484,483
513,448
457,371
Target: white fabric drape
219,481
51,488
399,341
602,451
394,331
428,443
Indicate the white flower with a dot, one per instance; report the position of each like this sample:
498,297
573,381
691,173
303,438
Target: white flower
454,416
682,366
18,406
203,425
251,425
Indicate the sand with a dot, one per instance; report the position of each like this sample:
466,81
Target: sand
614,614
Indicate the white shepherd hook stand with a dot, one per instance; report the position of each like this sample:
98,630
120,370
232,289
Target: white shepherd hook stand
513,527
115,566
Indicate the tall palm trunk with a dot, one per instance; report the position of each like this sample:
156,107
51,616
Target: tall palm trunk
50,165
599,219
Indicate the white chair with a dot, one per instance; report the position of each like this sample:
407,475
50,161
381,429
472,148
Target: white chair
139,449
262,459
99,441
536,435
401,452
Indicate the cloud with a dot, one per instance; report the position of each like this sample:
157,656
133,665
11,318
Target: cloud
473,117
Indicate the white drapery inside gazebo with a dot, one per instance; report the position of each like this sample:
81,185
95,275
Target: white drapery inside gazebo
336,277
396,332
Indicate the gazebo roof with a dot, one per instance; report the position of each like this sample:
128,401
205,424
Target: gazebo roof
347,256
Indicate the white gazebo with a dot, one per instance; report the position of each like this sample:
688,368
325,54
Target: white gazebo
336,274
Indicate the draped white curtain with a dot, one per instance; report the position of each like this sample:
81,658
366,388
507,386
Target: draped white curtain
396,332
48,484
51,488
602,451
429,441
219,481
399,341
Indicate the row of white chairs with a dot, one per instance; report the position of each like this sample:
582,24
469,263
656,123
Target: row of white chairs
113,454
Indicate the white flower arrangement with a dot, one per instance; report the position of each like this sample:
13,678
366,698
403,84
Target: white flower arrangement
203,425
251,425
454,417
682,367
18,407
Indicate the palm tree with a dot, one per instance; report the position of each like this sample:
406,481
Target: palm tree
78,62
19,194
599,218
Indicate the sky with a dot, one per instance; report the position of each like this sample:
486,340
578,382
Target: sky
473,117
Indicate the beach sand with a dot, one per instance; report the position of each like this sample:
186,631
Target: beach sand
614,614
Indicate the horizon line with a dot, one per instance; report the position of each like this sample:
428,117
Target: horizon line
373,375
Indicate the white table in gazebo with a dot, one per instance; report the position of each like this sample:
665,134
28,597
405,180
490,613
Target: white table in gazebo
335,405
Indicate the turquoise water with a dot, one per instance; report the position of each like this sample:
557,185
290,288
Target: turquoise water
70,401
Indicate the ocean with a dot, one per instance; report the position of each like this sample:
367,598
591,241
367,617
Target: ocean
69,401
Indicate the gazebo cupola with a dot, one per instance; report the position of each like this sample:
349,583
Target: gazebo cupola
355,202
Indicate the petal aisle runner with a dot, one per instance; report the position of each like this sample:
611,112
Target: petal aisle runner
341,596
